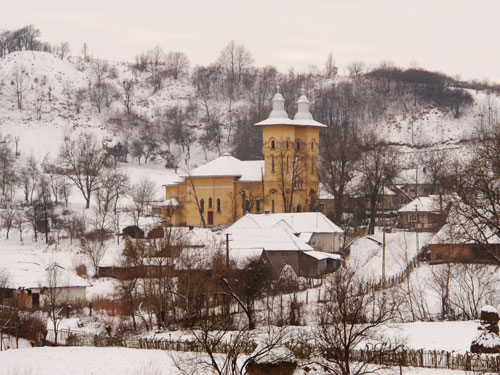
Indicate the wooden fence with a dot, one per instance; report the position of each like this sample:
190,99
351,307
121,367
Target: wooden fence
383,356
75,338
397,279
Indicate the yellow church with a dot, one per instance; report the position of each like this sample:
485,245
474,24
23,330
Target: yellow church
220,192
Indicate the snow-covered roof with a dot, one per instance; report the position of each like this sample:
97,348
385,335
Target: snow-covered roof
305,236
172,202
320,255
34,275
229,166
269,239
300,222
459,229
430,203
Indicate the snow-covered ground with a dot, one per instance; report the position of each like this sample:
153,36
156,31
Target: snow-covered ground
122,361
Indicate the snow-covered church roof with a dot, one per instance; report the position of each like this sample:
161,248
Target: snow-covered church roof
229,166
278,115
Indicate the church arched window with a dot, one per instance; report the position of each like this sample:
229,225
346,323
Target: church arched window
218,205
273,145
202,205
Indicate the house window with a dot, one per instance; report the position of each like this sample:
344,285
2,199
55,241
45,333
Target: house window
298,145
412,218
218,205
272,206
202,205
273,145
209,202
257,205
272,164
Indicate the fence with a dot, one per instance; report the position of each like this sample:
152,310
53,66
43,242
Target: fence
75,338
400,277
382,356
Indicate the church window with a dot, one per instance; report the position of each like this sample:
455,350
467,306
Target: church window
272,206
299,208
257,205
298,145
312,145
287,164
218,205
273,145
287,145
272,164
202,205
209,202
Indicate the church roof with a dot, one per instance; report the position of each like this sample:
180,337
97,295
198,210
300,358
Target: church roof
229,166
278,115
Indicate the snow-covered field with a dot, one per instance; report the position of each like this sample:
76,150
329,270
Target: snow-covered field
121,361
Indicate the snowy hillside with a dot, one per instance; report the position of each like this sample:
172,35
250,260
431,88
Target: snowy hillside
50,85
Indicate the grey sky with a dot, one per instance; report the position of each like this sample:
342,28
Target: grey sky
454,36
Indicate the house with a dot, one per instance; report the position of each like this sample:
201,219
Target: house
281,247
314,228
462,240
223,190
414,182
28,284
424,214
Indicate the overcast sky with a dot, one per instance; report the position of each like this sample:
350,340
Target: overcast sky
453,36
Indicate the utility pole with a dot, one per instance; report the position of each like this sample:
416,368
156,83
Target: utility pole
383,256
227,251
416,227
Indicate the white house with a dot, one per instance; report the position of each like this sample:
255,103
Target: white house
27,284
313,228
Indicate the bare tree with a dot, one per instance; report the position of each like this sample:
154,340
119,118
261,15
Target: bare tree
474,286
20,84
330,67
100,71
351,315
8,176
112,187
54,296
177,64
442,282
338,107
378,166
19,220
356,69
82,161
94,251
85,51
245,286
127,94
64,50
155,66
143,192
8,216
235,60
